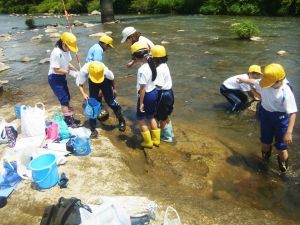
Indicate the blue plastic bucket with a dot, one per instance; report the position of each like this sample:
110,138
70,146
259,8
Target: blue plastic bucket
44,170
18,109
81,146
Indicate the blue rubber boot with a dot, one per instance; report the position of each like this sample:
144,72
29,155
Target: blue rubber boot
166,134
170,125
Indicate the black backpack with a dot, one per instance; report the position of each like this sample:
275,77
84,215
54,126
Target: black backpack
65,212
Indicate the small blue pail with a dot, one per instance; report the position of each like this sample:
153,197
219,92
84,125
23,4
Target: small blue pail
44,170
18,109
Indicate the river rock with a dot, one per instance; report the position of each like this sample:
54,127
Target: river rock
281,52
26,59
87,25
45,60
164,42
5,37
54,35
77,23
95,12
2,82
100,34
51,30
3,67
256,38
108,32
38,37
180,30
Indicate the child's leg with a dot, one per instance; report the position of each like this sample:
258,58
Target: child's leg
266,151
283,159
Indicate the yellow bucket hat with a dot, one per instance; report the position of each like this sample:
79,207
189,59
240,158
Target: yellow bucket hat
96,72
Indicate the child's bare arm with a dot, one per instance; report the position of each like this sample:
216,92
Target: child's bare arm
288,138
246,81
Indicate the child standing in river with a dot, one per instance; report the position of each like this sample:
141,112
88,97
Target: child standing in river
278,113
147,95
60,67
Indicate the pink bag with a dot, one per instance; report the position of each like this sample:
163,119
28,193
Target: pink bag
52,131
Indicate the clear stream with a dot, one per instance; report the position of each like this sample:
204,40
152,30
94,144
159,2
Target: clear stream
202,53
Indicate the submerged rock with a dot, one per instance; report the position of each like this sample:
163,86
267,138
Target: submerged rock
100,34
45,60
77,23
87,25
54,35
26,59
38,37
256,38
3,67
51,30
281,52
5,37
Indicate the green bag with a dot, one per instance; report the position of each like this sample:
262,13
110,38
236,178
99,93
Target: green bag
64,132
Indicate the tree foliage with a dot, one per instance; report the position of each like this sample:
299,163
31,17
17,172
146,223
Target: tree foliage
229,7
245,29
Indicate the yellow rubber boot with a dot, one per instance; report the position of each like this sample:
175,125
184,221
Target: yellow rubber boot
147,143
155,137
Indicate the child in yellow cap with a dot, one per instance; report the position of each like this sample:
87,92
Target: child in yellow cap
278,113
235,92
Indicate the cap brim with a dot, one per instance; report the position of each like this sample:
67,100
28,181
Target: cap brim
97,81
265,83
111,46
124,39
72,49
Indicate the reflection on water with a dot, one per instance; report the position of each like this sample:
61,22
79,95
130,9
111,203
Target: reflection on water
200,58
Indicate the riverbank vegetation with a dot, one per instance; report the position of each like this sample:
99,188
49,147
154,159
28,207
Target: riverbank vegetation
215,7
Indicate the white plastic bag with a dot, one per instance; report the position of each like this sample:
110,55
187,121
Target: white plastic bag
171,217
33,121
108,213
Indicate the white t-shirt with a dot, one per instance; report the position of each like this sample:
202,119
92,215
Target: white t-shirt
146,41
277,100
232,84
59,59
163,78
84,74
144,77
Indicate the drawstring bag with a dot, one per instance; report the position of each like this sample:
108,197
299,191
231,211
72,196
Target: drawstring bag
8,133
3,137
52,131
33,120
171,217
91,108
81,146
63,132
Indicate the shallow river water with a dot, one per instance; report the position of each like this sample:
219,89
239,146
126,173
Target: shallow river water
202,53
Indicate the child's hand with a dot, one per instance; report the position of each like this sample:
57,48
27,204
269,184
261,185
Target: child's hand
85,96
288,138
239,80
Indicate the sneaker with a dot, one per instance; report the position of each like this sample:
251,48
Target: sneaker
283,165
70,121
122,125
94,134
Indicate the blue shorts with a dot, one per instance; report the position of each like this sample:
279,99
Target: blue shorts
150,106
59,86
273,124
165,104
